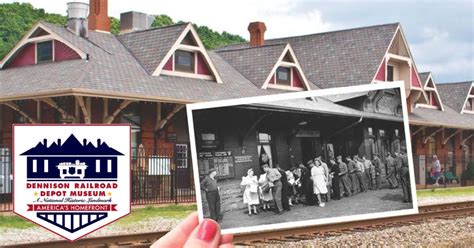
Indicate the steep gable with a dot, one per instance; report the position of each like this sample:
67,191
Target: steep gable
260,65
434,99
456,95
161,50
338,58
26,50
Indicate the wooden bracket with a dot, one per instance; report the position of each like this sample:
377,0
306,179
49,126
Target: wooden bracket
466,139
433,133
417,131
445,140
161,124
54,105
17,108
122,105
85,112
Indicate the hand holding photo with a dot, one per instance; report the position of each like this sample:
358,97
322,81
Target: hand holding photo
303,158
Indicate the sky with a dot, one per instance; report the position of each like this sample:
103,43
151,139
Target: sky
440,33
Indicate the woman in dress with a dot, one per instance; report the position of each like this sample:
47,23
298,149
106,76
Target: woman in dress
251,191
319,181
265,193
292,184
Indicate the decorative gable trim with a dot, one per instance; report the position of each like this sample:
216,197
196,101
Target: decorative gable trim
200,49
399,43
30,38
294,64
469,96
430,86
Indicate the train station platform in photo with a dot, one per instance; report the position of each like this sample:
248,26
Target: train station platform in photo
373,201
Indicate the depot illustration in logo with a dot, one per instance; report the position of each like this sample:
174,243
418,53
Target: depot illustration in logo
71,179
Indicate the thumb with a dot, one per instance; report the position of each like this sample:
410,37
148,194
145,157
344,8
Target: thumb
207,234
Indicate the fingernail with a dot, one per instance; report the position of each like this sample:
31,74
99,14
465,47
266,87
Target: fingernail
207,231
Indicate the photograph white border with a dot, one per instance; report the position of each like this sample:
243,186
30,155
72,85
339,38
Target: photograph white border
296,95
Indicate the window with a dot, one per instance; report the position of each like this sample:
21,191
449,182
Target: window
283,76
370,131
381,133
131,115
208,140
44,51
184,61
396,132
182,156
389,73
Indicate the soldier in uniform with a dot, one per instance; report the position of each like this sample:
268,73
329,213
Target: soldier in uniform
351,167
398,167
360,171
405,178
344,175
378,171
391,167
335,179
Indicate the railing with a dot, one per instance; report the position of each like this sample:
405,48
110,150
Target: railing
452,168
5,180
162,176
158,176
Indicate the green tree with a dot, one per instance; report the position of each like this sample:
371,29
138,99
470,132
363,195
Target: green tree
17,18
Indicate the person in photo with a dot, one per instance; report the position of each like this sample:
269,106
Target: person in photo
352,168
285,190
319,181
360,172
391,170
292,183
307,184
326,173
369,173
209,185
378,164
274,177
405,178
345,184
334,168
250,196
265,192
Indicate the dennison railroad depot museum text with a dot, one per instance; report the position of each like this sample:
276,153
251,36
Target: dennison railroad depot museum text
72,189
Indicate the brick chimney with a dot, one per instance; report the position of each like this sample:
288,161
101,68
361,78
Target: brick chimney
257,33
98,16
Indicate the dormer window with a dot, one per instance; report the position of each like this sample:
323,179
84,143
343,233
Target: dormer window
283,76
44,51
389,73
184,61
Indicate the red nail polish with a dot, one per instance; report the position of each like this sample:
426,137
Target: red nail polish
207,230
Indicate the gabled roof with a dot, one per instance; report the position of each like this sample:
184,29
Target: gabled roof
428,84
259,63
48,31
455,94
255,63
151,46
339,58
112,71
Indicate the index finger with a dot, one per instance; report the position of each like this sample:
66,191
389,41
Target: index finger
178,235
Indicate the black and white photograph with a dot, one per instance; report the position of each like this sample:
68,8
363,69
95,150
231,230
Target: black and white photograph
302,158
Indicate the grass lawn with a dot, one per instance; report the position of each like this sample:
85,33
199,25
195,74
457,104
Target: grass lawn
14,221
137,215
441,192
166,212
